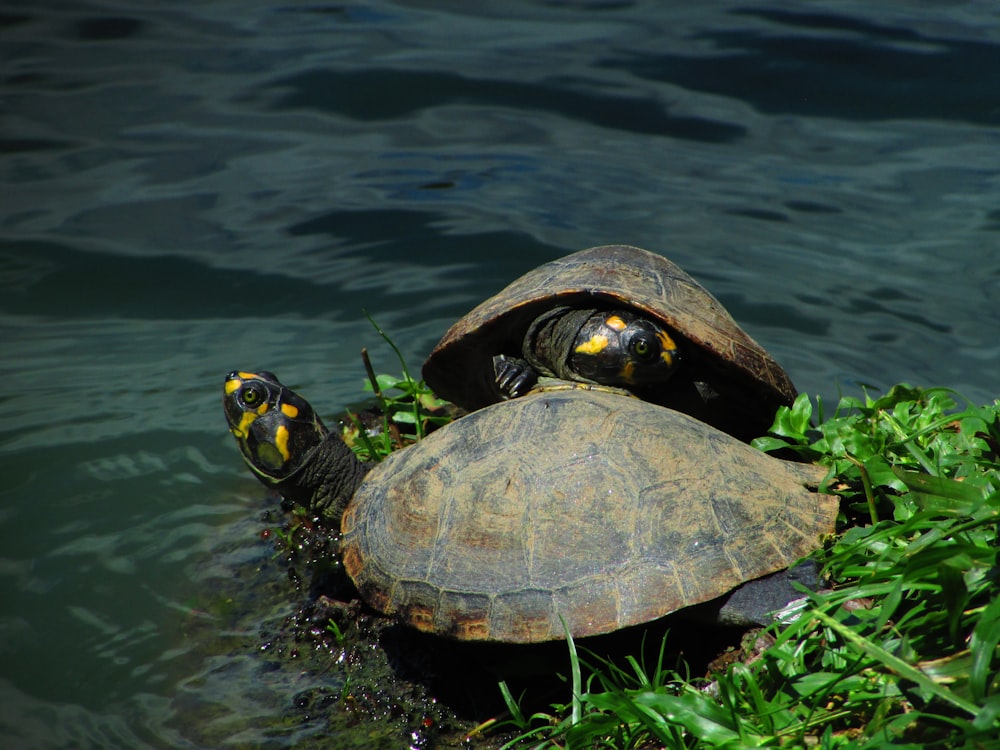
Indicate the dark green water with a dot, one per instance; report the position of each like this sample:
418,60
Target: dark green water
190,188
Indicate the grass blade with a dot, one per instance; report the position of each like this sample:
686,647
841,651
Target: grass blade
898,666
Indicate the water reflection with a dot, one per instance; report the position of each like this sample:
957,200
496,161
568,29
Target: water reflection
402,93
830,65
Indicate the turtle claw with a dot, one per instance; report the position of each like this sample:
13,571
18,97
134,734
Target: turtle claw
514,376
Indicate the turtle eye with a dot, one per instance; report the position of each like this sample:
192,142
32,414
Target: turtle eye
252,395
643,346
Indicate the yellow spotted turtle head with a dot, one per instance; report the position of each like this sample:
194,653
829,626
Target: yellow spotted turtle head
622,348
276,429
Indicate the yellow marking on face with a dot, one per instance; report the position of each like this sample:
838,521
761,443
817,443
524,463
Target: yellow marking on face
615,323
232,385
595,345
668,346
281,442
290,411
243,428
249,375
627,371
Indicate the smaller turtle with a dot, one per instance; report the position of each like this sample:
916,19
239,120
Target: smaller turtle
574,506
619,316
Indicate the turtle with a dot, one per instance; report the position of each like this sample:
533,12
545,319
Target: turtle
574,510
620,316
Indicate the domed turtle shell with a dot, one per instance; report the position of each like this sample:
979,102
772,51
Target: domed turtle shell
601,509
717,355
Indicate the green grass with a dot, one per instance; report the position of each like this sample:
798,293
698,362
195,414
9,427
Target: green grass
407,409
901,651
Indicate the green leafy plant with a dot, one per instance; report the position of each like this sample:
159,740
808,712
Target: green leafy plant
335,630
408,409
901,650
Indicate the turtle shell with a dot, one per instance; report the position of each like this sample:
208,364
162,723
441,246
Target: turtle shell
714,349
490,529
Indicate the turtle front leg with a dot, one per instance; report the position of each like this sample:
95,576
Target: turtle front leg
514,376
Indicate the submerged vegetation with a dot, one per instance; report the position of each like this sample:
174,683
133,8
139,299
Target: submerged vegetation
900,651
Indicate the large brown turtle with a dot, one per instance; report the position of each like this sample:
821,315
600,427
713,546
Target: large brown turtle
619,316
577,506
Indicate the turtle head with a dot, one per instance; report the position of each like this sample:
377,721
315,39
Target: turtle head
276,429
287,447
624,349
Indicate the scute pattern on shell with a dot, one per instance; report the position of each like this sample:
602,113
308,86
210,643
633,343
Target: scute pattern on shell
604,509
